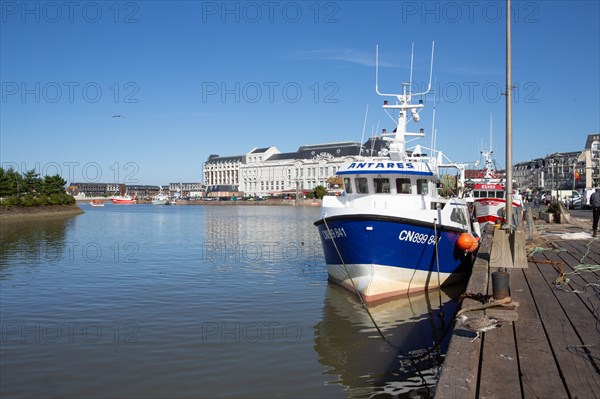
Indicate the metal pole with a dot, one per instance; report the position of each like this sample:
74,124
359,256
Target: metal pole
574,171
509,185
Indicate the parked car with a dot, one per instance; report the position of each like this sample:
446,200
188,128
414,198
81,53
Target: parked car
576,202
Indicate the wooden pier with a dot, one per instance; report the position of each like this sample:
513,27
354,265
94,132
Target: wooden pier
550,346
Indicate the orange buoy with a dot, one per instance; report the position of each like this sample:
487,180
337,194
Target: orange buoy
467,242
474,246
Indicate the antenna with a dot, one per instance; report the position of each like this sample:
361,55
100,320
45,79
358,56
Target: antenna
411,67
377,68
491,133
362,138
373,138
430,72
412,53
433,126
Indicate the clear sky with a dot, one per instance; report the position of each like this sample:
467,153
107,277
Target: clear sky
193,78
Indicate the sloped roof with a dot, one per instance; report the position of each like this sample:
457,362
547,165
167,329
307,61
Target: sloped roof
259,150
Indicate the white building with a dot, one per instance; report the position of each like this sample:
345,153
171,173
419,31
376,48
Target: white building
267,171
186,189
562,170
223,170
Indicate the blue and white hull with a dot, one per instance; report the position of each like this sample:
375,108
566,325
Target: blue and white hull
383,256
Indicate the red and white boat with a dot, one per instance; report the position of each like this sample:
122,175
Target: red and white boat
123,200
488,193
490,202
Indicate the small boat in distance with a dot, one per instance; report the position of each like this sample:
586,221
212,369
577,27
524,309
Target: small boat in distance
161,199
97,202
123,199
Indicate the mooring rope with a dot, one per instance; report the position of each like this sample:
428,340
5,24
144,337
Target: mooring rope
437,261
588,249
362,302
534,250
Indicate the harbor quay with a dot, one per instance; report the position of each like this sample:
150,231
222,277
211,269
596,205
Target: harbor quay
546,343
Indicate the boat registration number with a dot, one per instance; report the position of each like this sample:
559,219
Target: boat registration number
417,238
336,232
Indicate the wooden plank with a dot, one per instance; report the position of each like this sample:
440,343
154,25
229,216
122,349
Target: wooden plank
458,378
540,377
577,372
499,376
579,308
499,372
459,375
585,253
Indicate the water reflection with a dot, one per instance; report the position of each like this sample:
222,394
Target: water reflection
407,365
32,242
252,241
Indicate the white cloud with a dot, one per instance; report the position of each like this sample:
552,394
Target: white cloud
350,55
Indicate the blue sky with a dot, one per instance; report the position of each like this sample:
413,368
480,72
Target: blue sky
196,78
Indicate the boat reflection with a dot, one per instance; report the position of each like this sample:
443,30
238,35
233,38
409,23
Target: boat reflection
415,326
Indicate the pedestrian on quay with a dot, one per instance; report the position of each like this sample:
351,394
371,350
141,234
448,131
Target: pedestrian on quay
595,205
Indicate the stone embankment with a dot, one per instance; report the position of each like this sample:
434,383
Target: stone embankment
33,212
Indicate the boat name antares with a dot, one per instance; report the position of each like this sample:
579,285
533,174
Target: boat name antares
390,166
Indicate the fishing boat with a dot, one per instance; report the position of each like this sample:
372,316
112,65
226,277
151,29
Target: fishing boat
123,199
97,202
390,232
160,199
488,192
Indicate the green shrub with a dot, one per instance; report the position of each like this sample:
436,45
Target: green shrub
28,200
554,207
11,201
55,199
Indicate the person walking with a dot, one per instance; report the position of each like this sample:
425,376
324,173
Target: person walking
595,205
536,202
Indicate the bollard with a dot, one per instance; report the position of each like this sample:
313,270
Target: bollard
500,284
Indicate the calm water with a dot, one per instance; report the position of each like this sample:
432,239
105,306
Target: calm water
192,301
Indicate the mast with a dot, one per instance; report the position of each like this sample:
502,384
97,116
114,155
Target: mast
509,185
397,148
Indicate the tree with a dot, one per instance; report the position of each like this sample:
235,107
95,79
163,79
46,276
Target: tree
320,192
53,185
32,182
11,182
